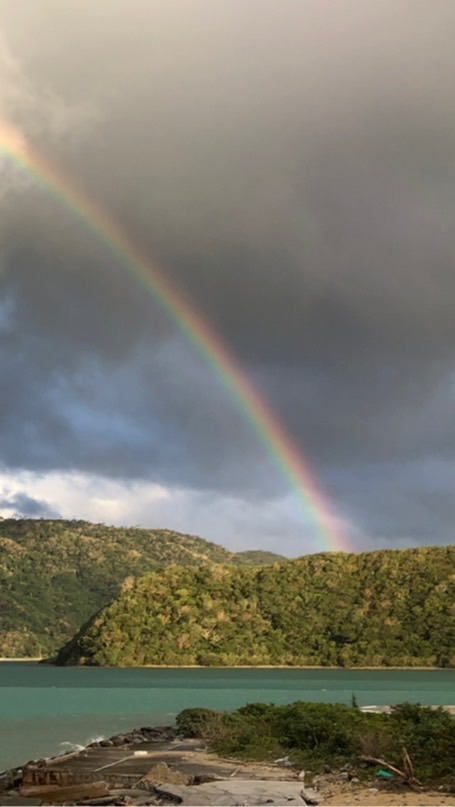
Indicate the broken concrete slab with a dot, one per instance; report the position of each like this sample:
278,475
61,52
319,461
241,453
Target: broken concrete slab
235,792
138,798
57,794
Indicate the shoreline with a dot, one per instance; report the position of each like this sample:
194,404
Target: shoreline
158,763
225,667
270,667
23,658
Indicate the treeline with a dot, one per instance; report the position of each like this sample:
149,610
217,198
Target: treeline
54,574
387,608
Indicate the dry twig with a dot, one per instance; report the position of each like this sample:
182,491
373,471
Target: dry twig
407,775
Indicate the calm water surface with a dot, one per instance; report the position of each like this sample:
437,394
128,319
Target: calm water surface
46,710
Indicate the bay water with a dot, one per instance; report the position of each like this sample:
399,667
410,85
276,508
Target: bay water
46,710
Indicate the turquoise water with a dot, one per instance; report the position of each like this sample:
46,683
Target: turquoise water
46,710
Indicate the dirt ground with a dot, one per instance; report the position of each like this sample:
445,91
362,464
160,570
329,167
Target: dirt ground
343,794
346,794
331,790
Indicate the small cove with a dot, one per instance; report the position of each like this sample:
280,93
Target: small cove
45,710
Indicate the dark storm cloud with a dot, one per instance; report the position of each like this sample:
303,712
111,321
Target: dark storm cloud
23,505
290,166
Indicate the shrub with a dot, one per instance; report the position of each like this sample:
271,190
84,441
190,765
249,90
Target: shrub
195,722
325,728
256,710
318,733
429,737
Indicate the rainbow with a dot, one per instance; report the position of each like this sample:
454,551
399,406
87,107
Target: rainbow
254,408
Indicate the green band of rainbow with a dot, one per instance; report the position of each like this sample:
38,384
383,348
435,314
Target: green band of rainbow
252,405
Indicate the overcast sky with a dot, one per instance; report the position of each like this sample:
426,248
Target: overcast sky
290,165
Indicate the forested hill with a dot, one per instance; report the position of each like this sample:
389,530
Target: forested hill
55,574
393,607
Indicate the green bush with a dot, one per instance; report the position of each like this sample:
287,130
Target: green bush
258,710
195,722
319,733
428,735
318,726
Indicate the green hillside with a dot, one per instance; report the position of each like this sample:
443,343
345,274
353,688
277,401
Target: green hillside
393,607
55,574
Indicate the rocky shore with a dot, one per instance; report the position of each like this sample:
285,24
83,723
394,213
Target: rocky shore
157,766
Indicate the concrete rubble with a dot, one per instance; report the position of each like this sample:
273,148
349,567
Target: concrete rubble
236,792
155,767
151,767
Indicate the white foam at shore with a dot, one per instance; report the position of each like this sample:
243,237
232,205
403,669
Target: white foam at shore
68,746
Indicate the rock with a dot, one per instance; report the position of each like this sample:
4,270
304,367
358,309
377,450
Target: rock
355,780
163,774
310,796
236,792
204,778
10,779
158,733
285,761
327,769
117,740
131,796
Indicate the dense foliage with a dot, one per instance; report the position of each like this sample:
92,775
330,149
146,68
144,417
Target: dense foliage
313,734
393,607
55,574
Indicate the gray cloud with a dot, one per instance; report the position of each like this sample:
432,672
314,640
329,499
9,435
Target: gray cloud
291,169
22,505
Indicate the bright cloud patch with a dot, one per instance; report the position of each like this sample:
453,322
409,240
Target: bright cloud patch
229,520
